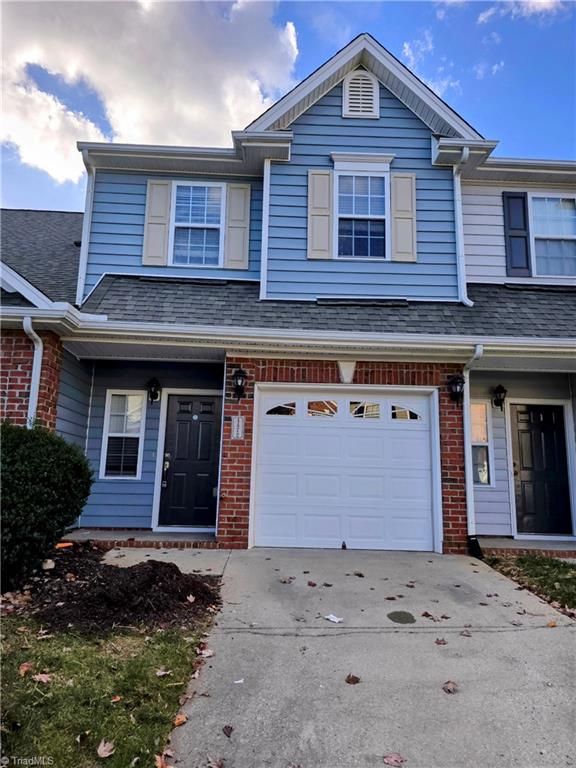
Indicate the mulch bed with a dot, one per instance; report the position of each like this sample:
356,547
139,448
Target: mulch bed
82,593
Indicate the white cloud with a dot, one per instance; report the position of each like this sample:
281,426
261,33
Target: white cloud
416,51
480,70
442,7
332,27
523,9
492,39
497,67
166,73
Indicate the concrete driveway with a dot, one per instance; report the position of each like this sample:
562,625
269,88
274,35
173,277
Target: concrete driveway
515,704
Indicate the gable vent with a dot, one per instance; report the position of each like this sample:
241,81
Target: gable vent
361,95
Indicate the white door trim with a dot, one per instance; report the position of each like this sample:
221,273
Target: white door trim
570,456
160,457
262,387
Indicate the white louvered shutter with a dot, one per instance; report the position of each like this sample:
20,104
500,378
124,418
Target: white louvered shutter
320,214
403,205
236,244
360,95
157,223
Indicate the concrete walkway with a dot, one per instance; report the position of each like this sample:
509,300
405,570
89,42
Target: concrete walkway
515,704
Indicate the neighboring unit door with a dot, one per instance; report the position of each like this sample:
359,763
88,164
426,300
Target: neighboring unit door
347,466
540,469
190,463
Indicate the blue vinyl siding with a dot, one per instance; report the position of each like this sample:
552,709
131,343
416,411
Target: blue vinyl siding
128,503
117,231
73,400
319,132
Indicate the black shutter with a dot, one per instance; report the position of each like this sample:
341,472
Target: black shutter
517,234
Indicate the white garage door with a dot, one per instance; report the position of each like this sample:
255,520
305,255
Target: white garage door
348,467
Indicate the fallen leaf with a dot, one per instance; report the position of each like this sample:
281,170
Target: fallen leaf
42,678
48,565
25,667
105,748
444,616
516,623
352,679
180,719
393,759
191,598
163,672
483,604
205,653
227,730
311,583
64,545
134,761
359,574
410,586
167,753
441,641
159,762
449,687
82,736
215,762
116,699
390,597
466,633
551,624
287,579
326,584
195,674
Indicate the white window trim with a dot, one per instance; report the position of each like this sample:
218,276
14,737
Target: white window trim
106,434
534,237
375,114
221,227
489,444
364,165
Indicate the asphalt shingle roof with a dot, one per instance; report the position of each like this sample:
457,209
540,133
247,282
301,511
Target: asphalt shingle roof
39,245
499,310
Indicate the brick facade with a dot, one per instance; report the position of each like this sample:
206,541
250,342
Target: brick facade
237,454
16,355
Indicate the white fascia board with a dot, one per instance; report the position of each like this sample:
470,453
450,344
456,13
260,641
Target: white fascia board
24,288
363,43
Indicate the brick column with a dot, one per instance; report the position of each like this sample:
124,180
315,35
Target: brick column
237,454
16,356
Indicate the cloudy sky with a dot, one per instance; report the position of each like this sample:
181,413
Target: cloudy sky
188,73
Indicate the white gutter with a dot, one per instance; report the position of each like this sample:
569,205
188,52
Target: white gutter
459,229
468,475
86,227
36,371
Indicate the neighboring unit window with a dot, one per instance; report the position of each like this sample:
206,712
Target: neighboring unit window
361,95
198,219
554,226
481,469
286,409
364,410
123,434
361,216
405,414
322,408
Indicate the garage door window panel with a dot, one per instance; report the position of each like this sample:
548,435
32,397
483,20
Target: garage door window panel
282,409
322,408
361,409
403,413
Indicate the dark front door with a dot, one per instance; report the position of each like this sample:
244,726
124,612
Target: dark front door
190,469
540,469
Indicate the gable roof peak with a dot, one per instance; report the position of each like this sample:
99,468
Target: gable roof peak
365,51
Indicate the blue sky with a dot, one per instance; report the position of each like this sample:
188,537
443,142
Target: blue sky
509,68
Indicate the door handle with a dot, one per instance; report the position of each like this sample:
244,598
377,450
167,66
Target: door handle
165,468
515,469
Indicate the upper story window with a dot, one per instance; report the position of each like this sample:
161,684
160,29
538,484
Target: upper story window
361,216
554,232
361,96
198,220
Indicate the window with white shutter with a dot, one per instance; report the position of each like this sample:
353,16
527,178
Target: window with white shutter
361,95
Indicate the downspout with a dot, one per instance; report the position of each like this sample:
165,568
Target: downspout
470,511
459,229
36,371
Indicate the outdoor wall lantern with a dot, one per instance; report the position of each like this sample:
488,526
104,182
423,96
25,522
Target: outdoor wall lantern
154,389
239,378
499,396
456,388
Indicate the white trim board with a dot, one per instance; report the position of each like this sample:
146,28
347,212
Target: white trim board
260,388
13,282
570,457
161,441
